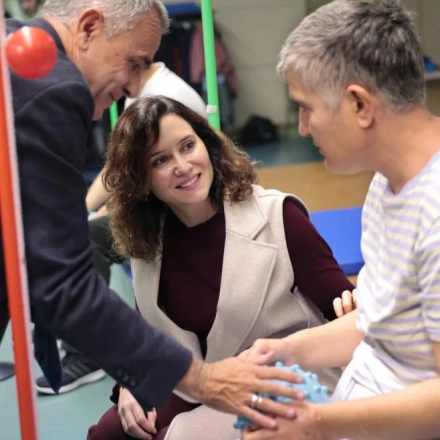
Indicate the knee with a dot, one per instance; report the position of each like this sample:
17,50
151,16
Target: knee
108,428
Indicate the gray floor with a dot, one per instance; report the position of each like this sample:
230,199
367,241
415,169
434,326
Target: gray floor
67,416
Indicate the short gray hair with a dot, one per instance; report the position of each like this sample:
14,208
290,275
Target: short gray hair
373,43
120,15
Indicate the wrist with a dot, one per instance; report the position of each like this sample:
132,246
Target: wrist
194,380
323,422
292,348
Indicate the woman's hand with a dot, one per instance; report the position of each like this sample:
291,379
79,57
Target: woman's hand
346,304
133,419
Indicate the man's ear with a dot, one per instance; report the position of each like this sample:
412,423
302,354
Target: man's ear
89,25
363,104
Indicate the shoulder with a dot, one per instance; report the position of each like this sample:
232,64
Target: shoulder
272,198
64,82
427,196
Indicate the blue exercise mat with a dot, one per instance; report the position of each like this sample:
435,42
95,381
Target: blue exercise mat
341,229
182,9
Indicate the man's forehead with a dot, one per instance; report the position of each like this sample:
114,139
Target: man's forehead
296,94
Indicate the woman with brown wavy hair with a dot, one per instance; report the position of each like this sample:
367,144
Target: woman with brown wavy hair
217,260
134,159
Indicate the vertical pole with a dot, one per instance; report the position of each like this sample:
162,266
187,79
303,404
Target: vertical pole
13,249
113,115
210,63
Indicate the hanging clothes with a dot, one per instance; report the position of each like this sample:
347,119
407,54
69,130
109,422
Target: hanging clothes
224,64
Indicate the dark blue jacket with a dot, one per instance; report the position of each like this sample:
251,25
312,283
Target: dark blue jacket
68,298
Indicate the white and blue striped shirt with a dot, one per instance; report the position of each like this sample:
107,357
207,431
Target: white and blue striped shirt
399,286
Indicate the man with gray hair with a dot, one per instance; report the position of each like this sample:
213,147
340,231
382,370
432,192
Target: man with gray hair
103,48
356,70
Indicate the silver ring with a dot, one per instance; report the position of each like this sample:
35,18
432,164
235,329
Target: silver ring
254,400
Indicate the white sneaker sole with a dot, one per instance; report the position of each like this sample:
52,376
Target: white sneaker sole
88,378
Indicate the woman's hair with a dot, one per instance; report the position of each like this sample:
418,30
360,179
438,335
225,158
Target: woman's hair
135,220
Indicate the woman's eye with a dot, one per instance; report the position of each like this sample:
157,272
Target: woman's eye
159,161
188,146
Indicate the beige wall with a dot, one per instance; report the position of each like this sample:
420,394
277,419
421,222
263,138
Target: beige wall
253,31
428,23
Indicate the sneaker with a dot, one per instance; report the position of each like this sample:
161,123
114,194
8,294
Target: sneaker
76,371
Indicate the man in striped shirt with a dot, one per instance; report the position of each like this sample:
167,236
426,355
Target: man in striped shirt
356,70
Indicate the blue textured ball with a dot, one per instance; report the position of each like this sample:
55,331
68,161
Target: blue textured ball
313,390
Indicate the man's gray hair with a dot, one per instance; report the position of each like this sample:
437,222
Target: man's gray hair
373,43
120,15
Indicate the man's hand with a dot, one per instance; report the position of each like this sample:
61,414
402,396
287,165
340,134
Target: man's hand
265,351
229,385
306,426
133,418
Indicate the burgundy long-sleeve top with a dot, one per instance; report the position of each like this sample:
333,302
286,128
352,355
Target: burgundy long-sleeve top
192,267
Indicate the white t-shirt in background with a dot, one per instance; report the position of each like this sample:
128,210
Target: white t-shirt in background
166,83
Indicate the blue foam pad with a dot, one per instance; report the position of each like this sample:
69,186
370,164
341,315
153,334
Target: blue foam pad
341,229
182,9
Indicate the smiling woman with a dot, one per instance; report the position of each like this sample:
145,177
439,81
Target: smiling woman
208,248
162,156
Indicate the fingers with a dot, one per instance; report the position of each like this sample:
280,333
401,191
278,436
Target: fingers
278,374
337,307
347,301
145,423
152,416
273,408
132,428
276,389
264,359
259,434
244,354
267,350
346,304
259,418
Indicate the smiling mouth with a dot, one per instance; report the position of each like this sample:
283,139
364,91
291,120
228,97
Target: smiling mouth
189,182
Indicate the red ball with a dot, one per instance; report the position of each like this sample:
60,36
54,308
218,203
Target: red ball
31,52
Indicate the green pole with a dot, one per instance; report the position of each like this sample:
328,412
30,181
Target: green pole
113,114
210,63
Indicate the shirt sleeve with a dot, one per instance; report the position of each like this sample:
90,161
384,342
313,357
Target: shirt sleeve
428,268
316,272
